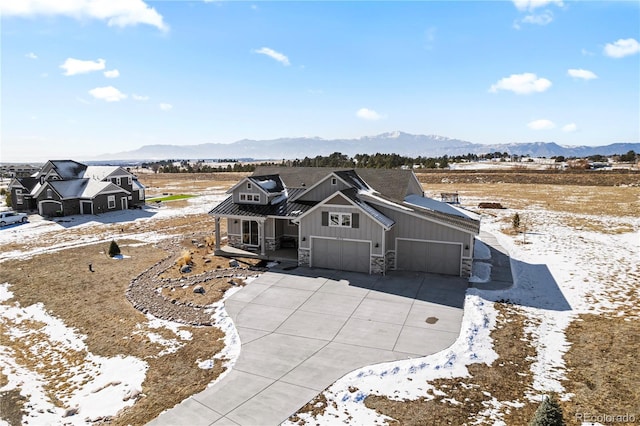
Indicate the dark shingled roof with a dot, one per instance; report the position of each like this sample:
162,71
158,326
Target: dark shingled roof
285,208
392,183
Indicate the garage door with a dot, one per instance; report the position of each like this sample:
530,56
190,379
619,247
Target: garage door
340,254
423,256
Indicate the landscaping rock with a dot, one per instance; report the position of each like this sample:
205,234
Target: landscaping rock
233,263
185,269
198,289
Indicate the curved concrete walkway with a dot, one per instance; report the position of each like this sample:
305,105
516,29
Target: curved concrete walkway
301,330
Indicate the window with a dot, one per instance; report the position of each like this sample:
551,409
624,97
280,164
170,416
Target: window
250,232
334,181
129,180
342,220
111,201
249,198
49,193
248,185
118,181
19,196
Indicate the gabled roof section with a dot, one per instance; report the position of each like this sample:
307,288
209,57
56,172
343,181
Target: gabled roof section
81,188
27,183
350,195
268,184
103,172
392,183
349,177
467,222
68,169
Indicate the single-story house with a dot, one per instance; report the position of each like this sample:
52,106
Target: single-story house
365,220
66,187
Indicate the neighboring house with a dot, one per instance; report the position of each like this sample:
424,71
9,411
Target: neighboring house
66,187
365,220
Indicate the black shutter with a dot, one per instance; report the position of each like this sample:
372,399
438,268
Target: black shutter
355,220
325,218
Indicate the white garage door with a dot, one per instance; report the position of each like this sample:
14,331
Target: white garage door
340,254
424,256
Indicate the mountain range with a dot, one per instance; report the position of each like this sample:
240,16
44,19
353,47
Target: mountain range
393,142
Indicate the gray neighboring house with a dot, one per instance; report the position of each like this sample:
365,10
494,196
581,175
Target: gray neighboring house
363,220
66,187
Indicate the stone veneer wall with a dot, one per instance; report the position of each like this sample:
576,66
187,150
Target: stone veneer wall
466,267
304,256
377,265
390,257
272,243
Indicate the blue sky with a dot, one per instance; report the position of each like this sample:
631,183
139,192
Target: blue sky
86,77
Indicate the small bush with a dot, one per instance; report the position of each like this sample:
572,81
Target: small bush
184,259
114,250
549,413
515,221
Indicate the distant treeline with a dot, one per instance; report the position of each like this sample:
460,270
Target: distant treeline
337,159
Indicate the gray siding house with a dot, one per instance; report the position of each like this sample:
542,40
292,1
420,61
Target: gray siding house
66,187
364,220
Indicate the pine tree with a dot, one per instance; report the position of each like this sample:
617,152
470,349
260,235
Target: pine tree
549,413
515,221
114,250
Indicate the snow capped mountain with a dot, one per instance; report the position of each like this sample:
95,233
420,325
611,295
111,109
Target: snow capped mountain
391,142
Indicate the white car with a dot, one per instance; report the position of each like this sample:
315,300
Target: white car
7,218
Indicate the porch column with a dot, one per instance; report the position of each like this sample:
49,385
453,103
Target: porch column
263,239
217,226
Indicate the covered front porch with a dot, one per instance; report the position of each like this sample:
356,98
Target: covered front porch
268,238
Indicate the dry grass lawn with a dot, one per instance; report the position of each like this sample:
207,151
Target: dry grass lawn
95,304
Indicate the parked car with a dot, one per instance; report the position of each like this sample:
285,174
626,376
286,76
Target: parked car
7,218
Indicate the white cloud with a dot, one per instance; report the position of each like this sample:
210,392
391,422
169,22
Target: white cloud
166,107
541,124
275,55
530,5
139,97
622,48
78,66
583,74
31,55
521,84
108,93
119,13
585,52
112,74
543,18
568,128
368,114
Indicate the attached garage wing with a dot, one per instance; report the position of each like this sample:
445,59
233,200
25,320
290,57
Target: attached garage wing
428,256
344,255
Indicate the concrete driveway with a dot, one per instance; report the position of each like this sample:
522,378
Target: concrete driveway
301,330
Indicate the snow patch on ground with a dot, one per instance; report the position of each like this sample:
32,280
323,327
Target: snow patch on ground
98,386
560,272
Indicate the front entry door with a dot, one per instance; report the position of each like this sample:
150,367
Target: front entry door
250,235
